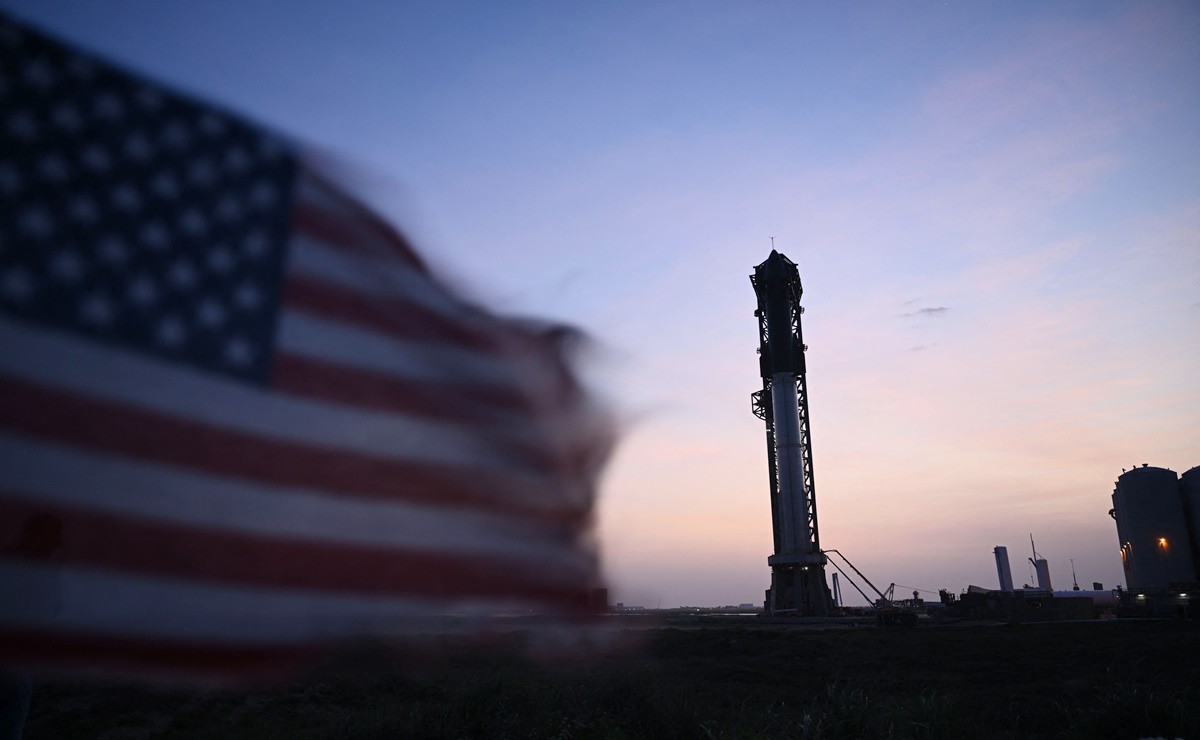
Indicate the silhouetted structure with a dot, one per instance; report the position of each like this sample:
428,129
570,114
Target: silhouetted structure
1155,513
797,565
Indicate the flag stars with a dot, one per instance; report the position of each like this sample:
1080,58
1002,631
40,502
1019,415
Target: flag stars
193,223
96,309
212,124
182,274
39,74
239,352
142,291
54,168
229,209
256,244
67,267
96,158
171,332
263,195
35,222
175,135
22,125
112,249
269,148
109,107
83,209
154,235
221,260
81,68
137,147
10,178
148,98
236,160
210,313
127,214
126,197
17,285
165,186
66,116
247,296
201,172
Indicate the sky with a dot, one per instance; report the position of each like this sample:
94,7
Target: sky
995,210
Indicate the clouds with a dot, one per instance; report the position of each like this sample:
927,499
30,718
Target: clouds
930,312
1032,173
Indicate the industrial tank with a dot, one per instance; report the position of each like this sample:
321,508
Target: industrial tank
1189,491
1155,546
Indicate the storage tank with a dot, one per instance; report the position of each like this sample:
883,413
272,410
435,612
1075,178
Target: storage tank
1155,546
1043,574
1189,491
1003,571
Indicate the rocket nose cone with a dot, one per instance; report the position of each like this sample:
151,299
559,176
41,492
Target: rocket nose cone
774,268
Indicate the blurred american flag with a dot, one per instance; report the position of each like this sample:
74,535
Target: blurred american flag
258,417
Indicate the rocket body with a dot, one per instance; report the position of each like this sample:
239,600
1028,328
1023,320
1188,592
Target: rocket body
783,361
798,585
795,536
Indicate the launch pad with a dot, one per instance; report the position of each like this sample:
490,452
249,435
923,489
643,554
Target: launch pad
798,585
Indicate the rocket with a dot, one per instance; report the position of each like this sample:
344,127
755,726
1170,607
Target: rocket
783,361
798,563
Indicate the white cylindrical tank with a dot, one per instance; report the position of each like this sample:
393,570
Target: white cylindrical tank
1154,538
1003,571
1189,491
1043,574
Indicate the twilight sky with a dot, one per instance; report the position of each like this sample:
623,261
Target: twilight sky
995,210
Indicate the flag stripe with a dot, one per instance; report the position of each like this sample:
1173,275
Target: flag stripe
345,220
396,317
331,226
369,276
120,603
305,333
157,548
154,658
238,413
38,471
312,377
145,384
67,418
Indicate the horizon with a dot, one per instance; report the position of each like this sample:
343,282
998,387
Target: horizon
995,213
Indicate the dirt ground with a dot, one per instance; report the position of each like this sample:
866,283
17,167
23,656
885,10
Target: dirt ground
1107,679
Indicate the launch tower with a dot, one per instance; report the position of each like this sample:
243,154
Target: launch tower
798,565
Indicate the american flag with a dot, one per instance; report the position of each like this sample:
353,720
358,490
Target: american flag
251,415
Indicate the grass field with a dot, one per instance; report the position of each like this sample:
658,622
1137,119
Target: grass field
1096,680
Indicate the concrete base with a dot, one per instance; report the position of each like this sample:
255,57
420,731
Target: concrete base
798,590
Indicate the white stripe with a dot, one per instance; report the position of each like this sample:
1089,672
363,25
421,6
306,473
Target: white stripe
56,474
303,333
94,601
116,375
382,277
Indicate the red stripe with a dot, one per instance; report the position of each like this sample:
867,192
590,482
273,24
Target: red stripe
394,317
103,426
352,227
152,656
491,412
159,548
309,377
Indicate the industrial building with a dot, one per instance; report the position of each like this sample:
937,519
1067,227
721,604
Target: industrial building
1158,526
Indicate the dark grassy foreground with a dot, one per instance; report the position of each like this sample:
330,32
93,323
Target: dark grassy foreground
1099,680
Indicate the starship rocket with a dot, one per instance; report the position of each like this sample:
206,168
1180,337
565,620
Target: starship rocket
797,565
